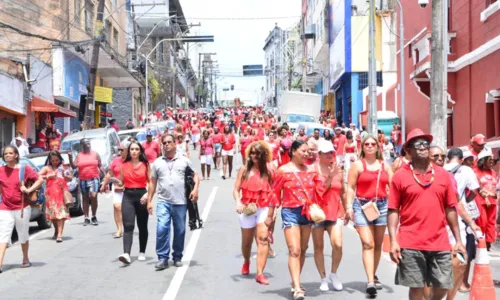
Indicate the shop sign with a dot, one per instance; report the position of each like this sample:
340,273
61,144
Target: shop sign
106,114
70,76
103,95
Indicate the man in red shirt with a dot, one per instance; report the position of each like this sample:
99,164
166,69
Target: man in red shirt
339,141
477,144
151,147
421,199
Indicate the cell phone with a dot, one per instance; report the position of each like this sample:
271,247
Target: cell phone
461,258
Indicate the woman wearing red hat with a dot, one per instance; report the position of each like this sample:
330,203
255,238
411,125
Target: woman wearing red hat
367,182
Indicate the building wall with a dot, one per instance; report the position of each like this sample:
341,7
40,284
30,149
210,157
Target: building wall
122,107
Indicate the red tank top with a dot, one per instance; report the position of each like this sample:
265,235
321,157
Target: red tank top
367,183
134,177
88,166
350,149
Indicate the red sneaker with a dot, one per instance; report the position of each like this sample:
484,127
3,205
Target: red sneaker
262,279
245,270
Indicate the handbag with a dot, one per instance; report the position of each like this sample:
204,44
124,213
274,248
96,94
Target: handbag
68,198
33,198
249,209
370,209
316,214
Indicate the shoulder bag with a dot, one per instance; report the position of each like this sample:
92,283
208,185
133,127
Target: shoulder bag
249,209
32,197
370,209
316,214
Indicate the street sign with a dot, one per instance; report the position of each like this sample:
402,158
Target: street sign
253,70
225,90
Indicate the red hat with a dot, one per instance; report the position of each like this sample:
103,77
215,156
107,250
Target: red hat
478,139
417,133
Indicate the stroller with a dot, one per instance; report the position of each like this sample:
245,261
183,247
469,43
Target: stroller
194,215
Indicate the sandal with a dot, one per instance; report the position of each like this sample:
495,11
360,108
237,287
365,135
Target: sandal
59,240
299,294
26,265
262,279
117,235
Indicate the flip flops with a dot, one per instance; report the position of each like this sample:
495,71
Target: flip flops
25,265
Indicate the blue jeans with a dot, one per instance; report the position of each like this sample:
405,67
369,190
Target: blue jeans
169,213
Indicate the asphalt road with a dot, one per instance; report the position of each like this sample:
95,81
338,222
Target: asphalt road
86,266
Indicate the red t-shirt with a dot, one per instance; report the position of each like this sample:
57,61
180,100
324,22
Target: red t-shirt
244,126
203,124
396,135
338,143
229,142
217,138
10,186
422,209
152,150
115,166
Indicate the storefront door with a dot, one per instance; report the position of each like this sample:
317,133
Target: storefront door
6,131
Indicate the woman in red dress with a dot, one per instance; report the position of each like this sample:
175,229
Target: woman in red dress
297,186
331,174
253,186
486,200
56,176
275,146
285,143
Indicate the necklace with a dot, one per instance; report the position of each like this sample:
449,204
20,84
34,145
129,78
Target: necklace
418,181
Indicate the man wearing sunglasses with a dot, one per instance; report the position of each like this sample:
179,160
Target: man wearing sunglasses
477,144
420,198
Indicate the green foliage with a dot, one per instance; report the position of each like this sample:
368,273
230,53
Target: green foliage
155,88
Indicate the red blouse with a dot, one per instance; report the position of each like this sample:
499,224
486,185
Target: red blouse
256,189
135,177
332,198
290,193
366,186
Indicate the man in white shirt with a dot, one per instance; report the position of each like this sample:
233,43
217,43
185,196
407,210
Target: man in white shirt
387,149
23,150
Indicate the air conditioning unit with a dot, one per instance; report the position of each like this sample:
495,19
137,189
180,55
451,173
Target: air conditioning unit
309,32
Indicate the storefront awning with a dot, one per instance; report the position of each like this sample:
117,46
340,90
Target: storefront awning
40,105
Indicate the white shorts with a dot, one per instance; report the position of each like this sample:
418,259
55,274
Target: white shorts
340,159
251,221
206,159
12,218
195,138
227,153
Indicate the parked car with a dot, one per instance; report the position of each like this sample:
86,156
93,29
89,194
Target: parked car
310,127
37,212
104,141
126,134
39,159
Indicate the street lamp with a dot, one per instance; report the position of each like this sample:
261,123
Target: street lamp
185,39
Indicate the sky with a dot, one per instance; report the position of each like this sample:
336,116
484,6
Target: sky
239,42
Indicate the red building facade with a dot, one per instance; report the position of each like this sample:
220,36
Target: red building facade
473,69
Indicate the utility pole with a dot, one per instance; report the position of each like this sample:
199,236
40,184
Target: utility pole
174,94
372,77
438,103
304,56
94,63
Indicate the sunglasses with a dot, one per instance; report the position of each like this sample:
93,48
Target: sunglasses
437,156
167,142
425,144
120,150
370,144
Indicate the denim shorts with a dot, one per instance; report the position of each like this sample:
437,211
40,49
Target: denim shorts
90,186
293,217
218,148
359,215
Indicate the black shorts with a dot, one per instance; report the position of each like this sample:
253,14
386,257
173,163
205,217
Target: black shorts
420,268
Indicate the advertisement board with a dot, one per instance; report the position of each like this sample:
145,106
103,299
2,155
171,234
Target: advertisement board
103,95
337,40
70,76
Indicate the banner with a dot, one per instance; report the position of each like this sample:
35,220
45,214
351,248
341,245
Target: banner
103,95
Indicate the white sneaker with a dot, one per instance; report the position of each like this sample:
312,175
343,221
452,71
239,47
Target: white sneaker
324,285
142,257
337,284
124,258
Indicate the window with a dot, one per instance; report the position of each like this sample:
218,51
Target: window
115,38
107,31
162,53
77,10
89,16
114,3
153,43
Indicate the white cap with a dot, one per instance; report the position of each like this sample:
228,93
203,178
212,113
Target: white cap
485,153
467,154
325,146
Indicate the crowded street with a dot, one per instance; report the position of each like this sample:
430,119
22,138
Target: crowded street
85,266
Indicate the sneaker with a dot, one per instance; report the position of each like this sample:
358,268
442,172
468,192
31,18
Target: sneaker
161,265
94,221
86,222
262,279
378,284
324,285
245,269
337,284
178,264
125,258
371,290
142,257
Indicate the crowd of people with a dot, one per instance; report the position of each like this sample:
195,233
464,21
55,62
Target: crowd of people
318,183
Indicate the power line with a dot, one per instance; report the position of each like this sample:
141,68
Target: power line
116,22
25,33
227,18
